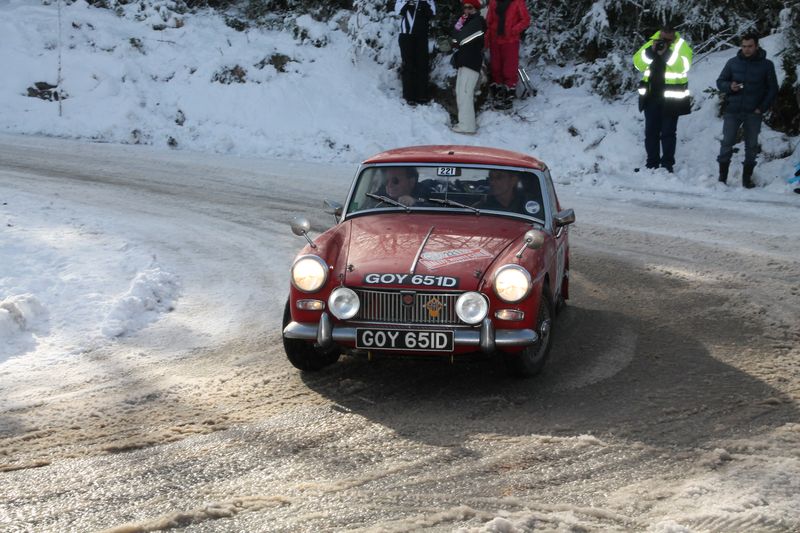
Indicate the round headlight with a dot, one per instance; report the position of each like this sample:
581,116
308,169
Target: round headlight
309,273
343,303
472,307
512,283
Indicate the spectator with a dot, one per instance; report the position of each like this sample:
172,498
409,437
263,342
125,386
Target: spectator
750,86
468,38
505,20
415,16
664,60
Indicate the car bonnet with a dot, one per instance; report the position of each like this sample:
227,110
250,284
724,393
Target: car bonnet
427,251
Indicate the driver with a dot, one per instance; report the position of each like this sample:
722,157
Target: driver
400,183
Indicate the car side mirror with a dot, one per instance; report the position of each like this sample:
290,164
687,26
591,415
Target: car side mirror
534,239
565,217
301,226
333,208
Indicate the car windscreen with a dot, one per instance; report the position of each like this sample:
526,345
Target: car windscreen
448,188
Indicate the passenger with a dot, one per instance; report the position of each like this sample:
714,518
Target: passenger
504,194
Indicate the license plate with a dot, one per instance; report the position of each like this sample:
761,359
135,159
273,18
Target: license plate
401,339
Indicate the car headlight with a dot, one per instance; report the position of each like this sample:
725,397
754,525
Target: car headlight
512,283
344,303
472,307
309,273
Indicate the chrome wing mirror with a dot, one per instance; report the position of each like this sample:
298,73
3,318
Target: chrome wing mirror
333,208
565,217
534,239
301,226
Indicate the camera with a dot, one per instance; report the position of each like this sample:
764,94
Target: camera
660,45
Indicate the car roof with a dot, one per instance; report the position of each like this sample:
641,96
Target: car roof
456,154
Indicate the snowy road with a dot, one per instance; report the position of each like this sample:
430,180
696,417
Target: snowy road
670,404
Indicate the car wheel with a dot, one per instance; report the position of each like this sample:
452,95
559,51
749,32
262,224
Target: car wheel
302,354
532,359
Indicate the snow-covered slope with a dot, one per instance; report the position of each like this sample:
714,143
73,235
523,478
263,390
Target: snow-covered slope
197,84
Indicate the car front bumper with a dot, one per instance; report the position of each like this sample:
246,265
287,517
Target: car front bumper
486,338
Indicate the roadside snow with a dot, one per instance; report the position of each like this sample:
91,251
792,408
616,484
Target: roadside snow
151,293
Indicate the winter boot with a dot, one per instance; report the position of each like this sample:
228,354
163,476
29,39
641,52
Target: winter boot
511,93
504,97
723,171
494,89
499,96
747,176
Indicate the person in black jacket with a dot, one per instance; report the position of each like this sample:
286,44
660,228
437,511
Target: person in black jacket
468,39
415,16
750,86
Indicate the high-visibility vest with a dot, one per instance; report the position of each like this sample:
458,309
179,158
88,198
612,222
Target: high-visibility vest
676,74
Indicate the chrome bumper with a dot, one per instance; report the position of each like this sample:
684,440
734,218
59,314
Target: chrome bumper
487,338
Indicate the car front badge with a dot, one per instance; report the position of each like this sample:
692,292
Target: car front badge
434,307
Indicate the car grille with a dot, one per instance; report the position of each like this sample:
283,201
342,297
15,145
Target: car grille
435,308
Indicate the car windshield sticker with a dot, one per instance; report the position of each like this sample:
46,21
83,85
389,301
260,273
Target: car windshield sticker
411,279
448,171
532,207
434,260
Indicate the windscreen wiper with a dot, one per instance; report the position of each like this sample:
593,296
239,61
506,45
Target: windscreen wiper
386,199
453,203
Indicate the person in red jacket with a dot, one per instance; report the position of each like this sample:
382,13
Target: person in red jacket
505,20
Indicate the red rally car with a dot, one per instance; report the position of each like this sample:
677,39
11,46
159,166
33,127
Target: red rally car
439,251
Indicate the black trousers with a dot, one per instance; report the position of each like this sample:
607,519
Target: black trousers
660,134
416,64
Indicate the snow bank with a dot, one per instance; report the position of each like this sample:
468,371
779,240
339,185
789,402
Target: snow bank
70,280
151,293
21,317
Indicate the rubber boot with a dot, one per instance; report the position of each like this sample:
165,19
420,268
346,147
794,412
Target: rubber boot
723,171
747,176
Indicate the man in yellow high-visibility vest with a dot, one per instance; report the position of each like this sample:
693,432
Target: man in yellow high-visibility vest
664,60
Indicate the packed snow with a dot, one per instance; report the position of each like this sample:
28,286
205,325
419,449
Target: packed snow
73,278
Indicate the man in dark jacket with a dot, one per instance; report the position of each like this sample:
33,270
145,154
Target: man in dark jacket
415,16
750,86
468,39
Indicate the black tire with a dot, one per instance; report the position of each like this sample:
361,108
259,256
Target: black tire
530,361
302,354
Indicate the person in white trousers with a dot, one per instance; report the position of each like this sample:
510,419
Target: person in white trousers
468,59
